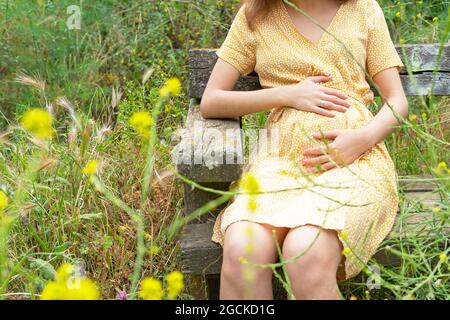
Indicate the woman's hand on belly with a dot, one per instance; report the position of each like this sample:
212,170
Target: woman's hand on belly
310,96
340,148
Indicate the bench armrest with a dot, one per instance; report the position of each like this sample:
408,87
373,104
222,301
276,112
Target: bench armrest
210,150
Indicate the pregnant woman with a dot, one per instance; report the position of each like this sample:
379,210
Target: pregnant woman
328,194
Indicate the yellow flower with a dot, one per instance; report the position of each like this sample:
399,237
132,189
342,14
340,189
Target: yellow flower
154,250
174,284
250,185
64,272
443,257
91,167
252,204
172,87
67,286
243,260
151,289
346,251
412,117
436,209
353,298
147,236
398,14
38,122
419,15
3,201
141,121
344,235
442,165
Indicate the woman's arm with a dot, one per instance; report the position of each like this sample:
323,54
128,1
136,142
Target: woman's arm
347,145
392,92
219,101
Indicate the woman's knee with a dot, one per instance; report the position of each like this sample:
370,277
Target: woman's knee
312,248
250,241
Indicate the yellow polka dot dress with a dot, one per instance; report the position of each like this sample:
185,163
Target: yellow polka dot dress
360,200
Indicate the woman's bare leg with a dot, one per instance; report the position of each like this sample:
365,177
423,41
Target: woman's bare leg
255,243
313,275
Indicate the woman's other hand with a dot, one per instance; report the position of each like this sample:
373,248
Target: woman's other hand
341,148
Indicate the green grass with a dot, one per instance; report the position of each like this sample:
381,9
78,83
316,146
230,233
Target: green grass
61,217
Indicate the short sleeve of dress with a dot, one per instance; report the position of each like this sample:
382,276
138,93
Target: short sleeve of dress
239,47
381,52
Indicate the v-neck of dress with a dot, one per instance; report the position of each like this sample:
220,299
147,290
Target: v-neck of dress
291,25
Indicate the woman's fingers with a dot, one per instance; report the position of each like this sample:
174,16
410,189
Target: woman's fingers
327,135
323,112
319,79
317,160
316,151
332,106
322,167
336,100
334,92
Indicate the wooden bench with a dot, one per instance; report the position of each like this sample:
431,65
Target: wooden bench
200,256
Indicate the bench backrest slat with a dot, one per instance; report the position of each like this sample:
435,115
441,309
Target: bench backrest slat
422,58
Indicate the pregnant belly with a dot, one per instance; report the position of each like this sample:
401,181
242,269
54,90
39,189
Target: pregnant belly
294,128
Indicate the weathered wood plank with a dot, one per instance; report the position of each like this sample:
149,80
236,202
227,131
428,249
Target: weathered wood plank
210,150
421,57
202,256
195,198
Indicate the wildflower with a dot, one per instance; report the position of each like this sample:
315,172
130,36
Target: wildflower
250,185
442,165
121,295
172,87
68,286
151,289
346,251
243,260
38,122
64,272
3,201
443,257
141,121
441,168
344,235
436,209
398,14
419,15
147,236
424,116
252,204
91,168
353,298
154,250
174,284
412,117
